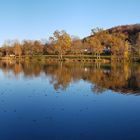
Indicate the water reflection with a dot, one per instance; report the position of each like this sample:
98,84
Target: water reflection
54,101
123,78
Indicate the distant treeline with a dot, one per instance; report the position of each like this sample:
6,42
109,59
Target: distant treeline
120,42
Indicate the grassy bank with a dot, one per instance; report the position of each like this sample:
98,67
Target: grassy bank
71,58
57,58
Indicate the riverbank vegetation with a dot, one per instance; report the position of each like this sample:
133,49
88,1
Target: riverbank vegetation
120,43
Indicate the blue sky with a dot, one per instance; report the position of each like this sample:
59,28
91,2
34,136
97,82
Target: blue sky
38,19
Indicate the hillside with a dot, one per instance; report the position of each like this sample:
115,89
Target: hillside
130,30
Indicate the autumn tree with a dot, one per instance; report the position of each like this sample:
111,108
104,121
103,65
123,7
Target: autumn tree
96,30
37,48
17,49
95,42
27,47
95,46
77,46
102,40
6,48
120,46
61,41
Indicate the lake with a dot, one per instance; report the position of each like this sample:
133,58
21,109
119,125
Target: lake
69,101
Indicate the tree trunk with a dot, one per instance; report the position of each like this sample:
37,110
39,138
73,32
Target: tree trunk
61,56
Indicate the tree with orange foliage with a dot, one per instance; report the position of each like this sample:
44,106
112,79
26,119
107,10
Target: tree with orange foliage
61,41
17,49
95,46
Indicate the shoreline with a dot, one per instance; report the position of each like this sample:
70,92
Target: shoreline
70,58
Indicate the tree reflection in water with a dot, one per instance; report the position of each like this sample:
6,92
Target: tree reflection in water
123,78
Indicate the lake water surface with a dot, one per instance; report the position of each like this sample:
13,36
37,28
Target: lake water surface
61,101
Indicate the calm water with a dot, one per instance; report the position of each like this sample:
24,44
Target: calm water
42,101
